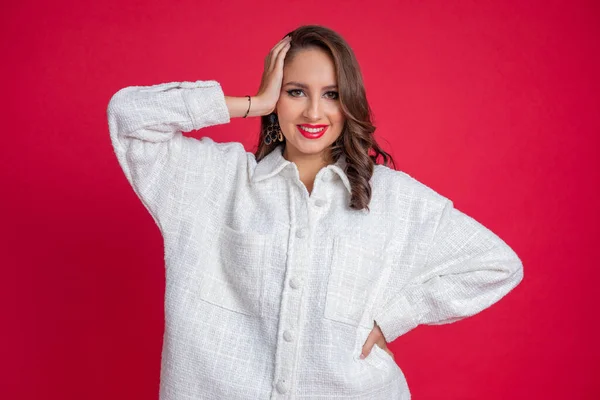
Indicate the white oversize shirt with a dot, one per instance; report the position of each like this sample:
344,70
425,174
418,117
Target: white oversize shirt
271,291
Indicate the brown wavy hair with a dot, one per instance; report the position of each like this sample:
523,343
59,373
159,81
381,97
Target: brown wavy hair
356,140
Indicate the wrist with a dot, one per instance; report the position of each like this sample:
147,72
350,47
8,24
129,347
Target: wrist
238,106
258,108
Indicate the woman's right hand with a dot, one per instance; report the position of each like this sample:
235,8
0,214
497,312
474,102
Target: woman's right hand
272,78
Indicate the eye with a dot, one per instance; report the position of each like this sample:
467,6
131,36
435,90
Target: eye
292,91
333,95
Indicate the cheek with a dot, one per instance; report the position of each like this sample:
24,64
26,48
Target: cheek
340,119
336,116
333,111
286,110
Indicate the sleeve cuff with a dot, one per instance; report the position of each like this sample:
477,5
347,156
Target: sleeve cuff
206,104
397,319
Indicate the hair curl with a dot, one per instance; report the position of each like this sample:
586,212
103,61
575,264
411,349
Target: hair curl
356,140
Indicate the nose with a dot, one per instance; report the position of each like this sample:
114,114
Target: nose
313,110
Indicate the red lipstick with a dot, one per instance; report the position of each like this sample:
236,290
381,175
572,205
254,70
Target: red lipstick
312,135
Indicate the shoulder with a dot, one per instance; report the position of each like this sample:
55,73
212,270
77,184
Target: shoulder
398,187
226,160
223,153
224,149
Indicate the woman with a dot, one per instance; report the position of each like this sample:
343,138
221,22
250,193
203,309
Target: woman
288,271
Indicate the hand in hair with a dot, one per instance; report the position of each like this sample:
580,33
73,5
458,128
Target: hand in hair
272,78
270,86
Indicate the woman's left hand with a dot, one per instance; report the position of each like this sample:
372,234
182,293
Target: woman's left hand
375,338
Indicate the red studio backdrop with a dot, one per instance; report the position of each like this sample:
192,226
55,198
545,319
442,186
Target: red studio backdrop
494,104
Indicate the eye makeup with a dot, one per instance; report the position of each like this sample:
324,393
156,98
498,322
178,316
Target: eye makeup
335,95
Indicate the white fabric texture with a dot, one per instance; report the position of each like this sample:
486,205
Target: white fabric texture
271,291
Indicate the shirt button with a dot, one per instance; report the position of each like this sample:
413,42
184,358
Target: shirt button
288,336
294,283
301,232
281,387
319,203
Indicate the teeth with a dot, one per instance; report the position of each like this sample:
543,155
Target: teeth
311,130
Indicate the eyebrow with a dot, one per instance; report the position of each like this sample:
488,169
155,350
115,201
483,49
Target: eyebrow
303,86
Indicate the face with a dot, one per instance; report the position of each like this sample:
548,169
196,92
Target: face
308,110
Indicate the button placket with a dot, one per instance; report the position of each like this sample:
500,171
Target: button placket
288,336
282,387
291,313
294,283
319,202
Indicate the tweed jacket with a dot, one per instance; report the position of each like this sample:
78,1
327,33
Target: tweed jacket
271,291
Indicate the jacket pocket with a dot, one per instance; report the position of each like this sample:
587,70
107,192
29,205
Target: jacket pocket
379,358
232,277
359,269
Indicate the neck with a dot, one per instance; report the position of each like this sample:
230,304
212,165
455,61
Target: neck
308,164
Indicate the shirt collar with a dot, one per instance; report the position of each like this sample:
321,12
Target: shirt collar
274,162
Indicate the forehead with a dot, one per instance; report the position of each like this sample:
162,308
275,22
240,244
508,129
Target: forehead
313,67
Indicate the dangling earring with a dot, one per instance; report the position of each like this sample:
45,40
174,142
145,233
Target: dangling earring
273,132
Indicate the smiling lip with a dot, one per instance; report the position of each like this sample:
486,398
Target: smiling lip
309,135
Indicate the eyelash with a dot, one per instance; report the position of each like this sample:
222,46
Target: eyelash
298,90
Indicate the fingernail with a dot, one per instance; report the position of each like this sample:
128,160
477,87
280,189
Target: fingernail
362,356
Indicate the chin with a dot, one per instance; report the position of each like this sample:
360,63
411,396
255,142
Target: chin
310,146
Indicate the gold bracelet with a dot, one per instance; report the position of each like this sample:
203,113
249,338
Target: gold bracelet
249,104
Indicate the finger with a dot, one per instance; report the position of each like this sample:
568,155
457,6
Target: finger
369,343
281,55
382,343
278,71
267,61
390,353
270,62
268,56
275,52
281,41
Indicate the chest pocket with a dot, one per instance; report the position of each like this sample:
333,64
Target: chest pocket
359,271
232,277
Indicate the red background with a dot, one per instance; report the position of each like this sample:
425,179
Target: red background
492,103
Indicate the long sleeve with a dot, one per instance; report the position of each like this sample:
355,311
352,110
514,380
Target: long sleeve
468,268
146,125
